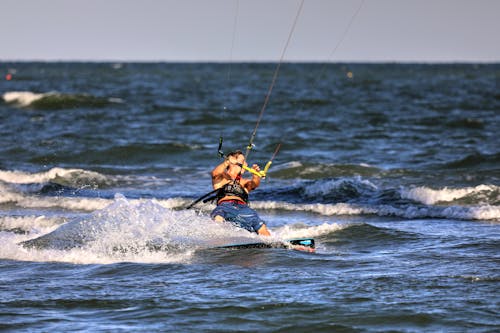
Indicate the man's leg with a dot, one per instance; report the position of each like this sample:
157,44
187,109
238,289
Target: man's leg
218,218
263,231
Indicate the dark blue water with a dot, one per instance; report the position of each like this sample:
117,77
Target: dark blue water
393,169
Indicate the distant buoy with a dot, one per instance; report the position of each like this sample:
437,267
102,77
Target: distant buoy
8,77
350,75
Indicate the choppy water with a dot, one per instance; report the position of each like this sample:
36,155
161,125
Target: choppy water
393,169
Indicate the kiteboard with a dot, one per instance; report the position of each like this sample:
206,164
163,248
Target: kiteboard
298,244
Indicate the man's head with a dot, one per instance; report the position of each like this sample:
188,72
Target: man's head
236,159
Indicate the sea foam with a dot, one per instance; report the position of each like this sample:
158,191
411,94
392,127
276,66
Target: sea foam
55,100
22,98
483,212
430,196
20,177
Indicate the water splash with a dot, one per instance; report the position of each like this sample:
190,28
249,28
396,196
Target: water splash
126,230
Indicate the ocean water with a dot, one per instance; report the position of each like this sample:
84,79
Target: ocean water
394,169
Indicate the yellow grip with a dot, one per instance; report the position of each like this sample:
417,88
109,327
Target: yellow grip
268,165
260,174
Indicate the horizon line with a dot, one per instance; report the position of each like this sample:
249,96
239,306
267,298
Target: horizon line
178,61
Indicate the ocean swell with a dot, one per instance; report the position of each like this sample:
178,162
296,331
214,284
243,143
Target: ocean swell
486,212
56,100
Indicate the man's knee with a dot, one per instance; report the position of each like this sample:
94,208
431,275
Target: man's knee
218,218
263,231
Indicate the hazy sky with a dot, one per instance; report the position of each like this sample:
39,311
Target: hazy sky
202,30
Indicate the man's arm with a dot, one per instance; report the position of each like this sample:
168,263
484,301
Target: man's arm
219,174
255,182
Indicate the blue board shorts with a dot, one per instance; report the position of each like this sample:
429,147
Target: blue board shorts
238,214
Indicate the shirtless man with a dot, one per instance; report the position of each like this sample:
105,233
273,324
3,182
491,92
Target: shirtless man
232,197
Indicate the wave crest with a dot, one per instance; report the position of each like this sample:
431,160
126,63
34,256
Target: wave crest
56,100
486,212
72,176
476,161
301,170
481,194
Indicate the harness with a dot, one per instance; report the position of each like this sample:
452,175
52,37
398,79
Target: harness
233,189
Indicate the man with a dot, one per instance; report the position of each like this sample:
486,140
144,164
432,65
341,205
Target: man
232,195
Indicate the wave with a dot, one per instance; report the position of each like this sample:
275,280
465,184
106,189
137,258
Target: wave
63,189
476,161
56,100
29,224
361,235
312,101
326,191
148,231
69,177
70,189
137,231
135,154
469,123
335,189
481,194
29,190
75,202
486,212
122,231
363,191
17,199
459,123
304,170
70,181
144,152
208,119
300,230
84,204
